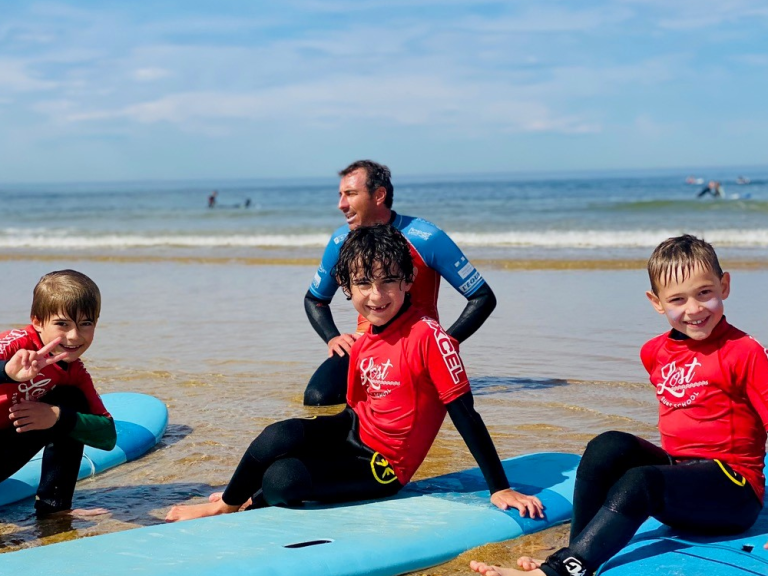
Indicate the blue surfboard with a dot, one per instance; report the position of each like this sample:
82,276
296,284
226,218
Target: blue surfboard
657,550
427,523
140,421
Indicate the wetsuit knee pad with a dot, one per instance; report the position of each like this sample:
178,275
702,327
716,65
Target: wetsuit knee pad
286,482
328,385
638,493
606,451
276,439
67,396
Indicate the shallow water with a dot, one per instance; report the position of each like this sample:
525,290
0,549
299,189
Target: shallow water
227,347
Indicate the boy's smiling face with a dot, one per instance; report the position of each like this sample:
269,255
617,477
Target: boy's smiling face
692,303
76,337
380,298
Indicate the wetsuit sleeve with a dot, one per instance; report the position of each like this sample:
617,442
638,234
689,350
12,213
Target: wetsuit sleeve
323,285
442,254
479,306
320,317
472,429
757,382
90,429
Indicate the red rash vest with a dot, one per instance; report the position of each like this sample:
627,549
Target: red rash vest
399,383
51,376
713,398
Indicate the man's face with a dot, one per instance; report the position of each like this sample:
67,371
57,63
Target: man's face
360,207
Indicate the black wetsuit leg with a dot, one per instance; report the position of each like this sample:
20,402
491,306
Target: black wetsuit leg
319,459
328,385
61,458
701,496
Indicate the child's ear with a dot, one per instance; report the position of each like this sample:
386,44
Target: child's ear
36,324
655,302
725,283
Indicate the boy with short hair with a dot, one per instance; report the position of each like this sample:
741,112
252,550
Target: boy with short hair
47,397
711,381
405,372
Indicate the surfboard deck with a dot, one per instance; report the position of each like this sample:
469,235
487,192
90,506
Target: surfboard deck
140,421
657,550
427,523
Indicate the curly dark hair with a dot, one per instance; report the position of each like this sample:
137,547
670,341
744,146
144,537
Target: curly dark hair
369,247
377,176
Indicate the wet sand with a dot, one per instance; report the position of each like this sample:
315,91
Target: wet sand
227,347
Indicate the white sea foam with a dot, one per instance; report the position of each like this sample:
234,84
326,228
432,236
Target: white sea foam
40,239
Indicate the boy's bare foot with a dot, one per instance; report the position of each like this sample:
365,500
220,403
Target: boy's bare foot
76,513
527,563
216,497
486,570
192,511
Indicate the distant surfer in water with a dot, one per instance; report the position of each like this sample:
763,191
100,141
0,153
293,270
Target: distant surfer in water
714,188
212,199
365,198
405,375
711,381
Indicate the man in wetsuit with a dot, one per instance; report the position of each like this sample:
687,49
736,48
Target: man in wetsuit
365,198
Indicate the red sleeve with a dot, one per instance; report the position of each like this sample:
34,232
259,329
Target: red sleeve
82,379
649,351
443,363
11,342
756,372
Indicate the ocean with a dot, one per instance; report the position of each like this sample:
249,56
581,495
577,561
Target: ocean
505,218
203,308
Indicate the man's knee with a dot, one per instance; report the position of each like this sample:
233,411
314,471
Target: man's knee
276,440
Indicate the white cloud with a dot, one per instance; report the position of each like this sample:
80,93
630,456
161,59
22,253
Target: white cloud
150,74
15,76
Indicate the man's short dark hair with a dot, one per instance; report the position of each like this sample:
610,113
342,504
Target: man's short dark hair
368,247
681,255
377,175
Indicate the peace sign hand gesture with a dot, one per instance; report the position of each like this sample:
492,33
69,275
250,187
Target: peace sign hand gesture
26,364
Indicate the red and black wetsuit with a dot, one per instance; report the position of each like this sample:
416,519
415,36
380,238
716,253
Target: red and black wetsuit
708,475
403,377
83,419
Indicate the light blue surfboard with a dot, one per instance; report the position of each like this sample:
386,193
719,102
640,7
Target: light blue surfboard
657,550
140,421
428,523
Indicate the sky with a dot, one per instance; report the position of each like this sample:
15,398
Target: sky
99,90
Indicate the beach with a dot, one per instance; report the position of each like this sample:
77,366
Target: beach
203,308
226,345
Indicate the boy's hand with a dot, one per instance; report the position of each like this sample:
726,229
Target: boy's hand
342,344
26,364
526,505
28,416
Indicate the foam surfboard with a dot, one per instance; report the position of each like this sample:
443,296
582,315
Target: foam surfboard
427,523
140,421
657,550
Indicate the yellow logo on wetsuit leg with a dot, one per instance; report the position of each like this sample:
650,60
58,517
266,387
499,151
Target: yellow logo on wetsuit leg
382,471
732,475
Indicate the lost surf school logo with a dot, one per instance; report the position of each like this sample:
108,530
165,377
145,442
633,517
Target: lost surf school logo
679,387
375,377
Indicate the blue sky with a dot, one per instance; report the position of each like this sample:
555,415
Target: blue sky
104,90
